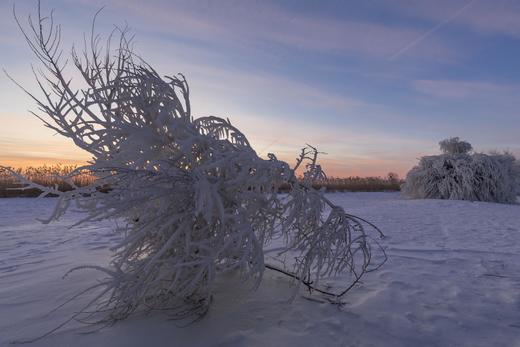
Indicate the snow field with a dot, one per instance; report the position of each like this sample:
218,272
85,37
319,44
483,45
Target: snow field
452,279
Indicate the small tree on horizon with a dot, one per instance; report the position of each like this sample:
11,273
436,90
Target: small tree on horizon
454,145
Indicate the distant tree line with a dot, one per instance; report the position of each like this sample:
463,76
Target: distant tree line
52,176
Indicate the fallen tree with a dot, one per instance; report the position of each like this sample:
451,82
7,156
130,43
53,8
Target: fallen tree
195,199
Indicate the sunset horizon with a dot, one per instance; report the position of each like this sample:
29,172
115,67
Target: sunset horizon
374,86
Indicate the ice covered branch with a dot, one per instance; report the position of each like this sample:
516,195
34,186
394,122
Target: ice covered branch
195,199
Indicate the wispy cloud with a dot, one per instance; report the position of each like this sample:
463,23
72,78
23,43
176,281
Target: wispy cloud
55,148
456,89
484,17
261,23
270,87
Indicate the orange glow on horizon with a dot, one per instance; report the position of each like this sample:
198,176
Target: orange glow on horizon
358,167
333,168
25,162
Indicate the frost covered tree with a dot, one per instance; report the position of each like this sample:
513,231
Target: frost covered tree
392,177
193,199
454,145
459,175
313,171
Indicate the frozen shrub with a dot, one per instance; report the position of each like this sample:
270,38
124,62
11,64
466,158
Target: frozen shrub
195,199
459,175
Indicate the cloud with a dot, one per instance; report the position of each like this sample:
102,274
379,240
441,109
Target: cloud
272,87
456,89
55,150
496,18
257,24
483,17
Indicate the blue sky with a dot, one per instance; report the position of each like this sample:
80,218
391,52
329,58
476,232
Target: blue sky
375,84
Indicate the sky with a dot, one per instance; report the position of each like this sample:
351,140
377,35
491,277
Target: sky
374,84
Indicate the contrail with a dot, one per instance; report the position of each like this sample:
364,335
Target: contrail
432,30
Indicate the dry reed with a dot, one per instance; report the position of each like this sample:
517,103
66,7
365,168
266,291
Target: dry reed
46,175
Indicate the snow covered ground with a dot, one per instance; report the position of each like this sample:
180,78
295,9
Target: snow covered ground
452,279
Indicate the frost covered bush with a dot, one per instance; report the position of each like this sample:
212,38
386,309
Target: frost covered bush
193,199
459,175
